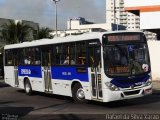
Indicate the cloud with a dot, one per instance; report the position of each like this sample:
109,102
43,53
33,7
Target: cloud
43,11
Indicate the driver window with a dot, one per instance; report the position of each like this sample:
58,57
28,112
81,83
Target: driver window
94,58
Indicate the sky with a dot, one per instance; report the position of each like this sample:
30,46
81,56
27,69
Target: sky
43,11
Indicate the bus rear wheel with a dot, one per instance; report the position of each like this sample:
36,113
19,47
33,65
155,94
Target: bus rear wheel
78,94
28,88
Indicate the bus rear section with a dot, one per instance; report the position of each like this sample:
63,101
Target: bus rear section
126,66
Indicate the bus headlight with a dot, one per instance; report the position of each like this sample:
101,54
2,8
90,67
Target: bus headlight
148,82
111,86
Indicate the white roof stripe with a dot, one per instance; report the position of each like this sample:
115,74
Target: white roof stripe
86,36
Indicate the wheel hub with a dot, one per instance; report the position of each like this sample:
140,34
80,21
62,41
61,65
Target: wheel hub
27,88
80,93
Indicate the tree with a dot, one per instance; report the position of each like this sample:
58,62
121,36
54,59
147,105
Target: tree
13,32
43,33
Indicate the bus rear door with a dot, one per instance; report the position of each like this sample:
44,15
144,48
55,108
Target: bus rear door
46,69
11,67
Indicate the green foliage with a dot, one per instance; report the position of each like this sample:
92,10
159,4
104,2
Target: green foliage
15,32
43,33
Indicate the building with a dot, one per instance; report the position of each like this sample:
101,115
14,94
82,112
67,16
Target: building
80,25
34,31
116,14
133,21
149,12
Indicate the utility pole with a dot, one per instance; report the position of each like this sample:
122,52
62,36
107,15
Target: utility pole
55,1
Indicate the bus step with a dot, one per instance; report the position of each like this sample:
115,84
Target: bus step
46,91
16,86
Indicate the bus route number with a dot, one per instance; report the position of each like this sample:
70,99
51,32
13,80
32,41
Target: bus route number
66,73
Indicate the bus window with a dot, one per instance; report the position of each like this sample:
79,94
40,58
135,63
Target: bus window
69,54
66,54
94,54
46,56
81,53
31,56
15,56
28,56
9,57
59,56
37,55
72,54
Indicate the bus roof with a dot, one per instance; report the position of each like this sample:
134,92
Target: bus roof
73,38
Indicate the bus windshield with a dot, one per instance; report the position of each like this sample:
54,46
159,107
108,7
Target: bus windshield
126,59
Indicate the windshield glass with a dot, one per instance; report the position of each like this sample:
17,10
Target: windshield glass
126,60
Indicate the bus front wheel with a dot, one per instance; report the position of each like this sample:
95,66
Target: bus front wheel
28,88
78,94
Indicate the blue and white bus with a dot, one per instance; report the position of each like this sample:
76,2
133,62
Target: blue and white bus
105,66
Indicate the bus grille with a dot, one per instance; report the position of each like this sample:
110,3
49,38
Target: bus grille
128,81
132,92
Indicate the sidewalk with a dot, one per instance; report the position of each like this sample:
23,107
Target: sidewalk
156,85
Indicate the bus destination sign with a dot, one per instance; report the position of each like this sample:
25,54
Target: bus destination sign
122,37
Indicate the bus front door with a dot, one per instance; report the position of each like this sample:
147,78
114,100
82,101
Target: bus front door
95,70
46,58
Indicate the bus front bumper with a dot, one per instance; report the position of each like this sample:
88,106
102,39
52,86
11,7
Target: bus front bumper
109,95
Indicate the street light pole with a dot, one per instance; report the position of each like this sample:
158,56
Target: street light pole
56,14
114,11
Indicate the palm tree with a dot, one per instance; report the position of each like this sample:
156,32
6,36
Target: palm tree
43,33
15,32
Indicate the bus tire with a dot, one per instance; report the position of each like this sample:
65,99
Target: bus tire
78,94
27,87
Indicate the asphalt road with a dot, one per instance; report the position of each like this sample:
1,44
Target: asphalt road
15,104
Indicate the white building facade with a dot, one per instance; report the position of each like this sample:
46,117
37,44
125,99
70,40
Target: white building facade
79,25
149,12
115,13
